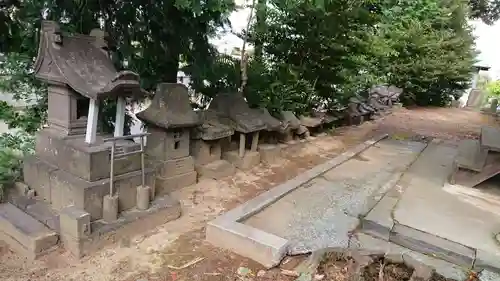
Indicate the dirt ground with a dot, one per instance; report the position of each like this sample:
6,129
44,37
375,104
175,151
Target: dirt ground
177,250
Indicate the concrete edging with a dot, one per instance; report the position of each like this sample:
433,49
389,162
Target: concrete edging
228,232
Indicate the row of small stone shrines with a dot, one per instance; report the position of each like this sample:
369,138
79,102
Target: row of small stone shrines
82,183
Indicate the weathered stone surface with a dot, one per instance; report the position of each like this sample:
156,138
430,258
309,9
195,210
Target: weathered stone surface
23,233
165,185
269,153
249,160
487,275
170,108
216,170
310,122
76,60
432,245
260,246
205,152
211,128
74,222
272,124
110,208
490,138
235,112
471,156
290,119
165,145
378,222
487,260
78,158
173,167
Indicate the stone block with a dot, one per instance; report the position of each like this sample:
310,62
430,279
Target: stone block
378,222
77,247
168,185
74,222
110,208
269,153
432,245
23,233
68,190
42,212
215,170
490,138
250,160
143,196
90,163
174,167
37,176
262,247
486,260
471,156
206,152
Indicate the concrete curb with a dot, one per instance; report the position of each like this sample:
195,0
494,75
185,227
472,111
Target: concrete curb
228,232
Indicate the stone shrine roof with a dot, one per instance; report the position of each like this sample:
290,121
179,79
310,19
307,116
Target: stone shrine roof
234,111
272,123
288,118
211,128
82,63
170,108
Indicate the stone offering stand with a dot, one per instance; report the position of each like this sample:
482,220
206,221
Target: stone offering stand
82,183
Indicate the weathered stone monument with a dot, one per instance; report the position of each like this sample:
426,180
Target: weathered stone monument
206,146
269,149
78,191
290,127
169,121
233,110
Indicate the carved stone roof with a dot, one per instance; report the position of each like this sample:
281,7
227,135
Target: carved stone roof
234,111
211,127
82,63
272,123
287,117
170,108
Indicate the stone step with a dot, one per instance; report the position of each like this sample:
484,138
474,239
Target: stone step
216,170
471,178
24,234
490,138
39,210
471,156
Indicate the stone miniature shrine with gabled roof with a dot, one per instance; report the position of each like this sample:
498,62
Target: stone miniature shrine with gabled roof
233,110
206,146
170,119
75,191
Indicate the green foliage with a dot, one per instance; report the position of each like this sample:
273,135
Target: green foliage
493,89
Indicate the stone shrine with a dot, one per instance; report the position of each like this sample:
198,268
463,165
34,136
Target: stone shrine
169,121
206,146
233,110
291,125
75,185
269,149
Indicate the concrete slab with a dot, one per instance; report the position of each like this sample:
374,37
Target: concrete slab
490,138
23,233
378,222
453,213
228,227
326,209
471,156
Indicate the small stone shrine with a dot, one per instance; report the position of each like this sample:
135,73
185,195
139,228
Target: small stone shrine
233,110
269,149
169,121
71,172
206,146
290,126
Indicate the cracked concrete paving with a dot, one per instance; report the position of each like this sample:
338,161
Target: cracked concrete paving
324,212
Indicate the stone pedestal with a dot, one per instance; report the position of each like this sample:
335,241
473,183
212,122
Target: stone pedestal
169,153
269,153
208,162
69,172
247,162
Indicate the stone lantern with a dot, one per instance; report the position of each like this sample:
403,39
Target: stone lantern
233,110
169,121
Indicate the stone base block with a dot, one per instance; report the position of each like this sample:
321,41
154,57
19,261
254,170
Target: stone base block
250,160
143,196
173,167
24,234
216,170
269,153
167,185
110,208
62,189
89,162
